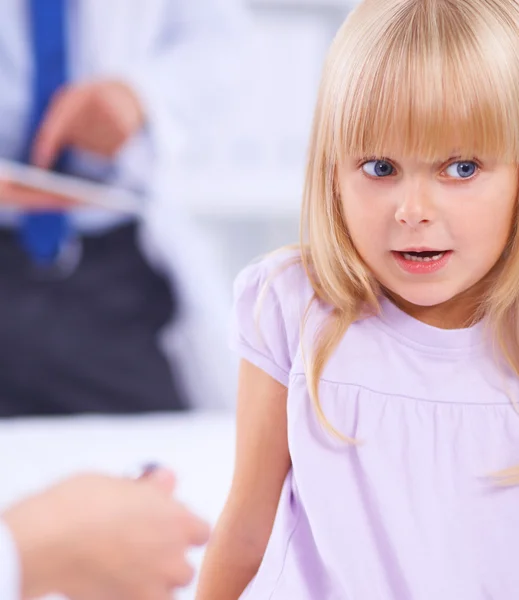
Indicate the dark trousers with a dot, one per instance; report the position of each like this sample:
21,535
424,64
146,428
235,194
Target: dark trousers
87,342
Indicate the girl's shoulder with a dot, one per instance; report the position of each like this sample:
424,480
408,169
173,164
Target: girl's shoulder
280,275
271,297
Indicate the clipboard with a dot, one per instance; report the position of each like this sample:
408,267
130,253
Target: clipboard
85,192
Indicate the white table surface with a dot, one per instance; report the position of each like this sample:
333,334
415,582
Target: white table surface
199,447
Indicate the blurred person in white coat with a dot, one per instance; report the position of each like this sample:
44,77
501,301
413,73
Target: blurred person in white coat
103,312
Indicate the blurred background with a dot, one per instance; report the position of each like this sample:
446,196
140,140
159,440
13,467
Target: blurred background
113,348
248,198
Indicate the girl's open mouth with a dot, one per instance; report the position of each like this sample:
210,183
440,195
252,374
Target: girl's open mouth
423,262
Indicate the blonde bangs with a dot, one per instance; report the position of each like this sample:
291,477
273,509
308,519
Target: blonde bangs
434,80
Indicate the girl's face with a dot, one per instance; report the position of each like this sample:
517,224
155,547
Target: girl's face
428,232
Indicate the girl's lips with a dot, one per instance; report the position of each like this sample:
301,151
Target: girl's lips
422,266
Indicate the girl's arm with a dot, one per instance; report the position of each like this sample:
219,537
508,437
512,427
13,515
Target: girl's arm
239,541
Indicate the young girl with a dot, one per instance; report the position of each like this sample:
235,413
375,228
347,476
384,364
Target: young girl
377,436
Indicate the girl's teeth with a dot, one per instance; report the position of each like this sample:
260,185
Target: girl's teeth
423,258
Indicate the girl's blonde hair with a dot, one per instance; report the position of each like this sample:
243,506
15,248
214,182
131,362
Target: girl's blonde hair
420,78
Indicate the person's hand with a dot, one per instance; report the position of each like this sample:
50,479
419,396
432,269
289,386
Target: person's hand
30,198
106,538
98,117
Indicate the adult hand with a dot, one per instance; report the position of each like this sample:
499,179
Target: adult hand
98,117
101,537
30,198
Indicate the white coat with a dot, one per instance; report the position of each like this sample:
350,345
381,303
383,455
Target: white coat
183,83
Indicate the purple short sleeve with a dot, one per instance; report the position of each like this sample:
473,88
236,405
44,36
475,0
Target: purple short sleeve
259,332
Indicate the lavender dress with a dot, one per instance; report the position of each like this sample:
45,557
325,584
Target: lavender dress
409,513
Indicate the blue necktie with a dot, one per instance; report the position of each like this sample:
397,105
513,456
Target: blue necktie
43,233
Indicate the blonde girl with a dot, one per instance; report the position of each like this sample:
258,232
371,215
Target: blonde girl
377,433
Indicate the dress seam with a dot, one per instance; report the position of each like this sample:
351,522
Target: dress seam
402,396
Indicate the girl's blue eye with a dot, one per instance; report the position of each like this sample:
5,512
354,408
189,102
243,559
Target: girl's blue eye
378,168
462,170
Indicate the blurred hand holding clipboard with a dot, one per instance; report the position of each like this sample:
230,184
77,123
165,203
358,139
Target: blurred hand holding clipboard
31,188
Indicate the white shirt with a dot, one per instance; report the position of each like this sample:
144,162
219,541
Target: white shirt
177,55
9,566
